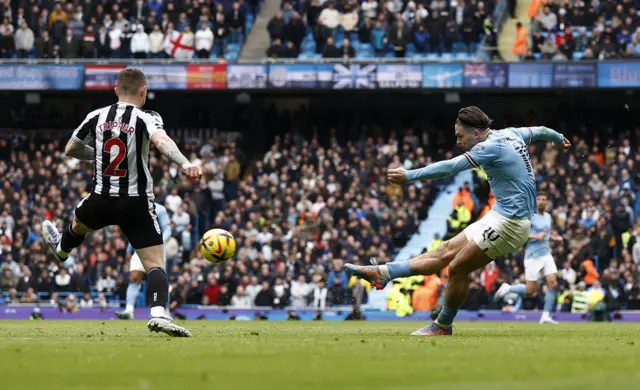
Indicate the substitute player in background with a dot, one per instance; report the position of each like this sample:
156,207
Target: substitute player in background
538,262
504,157
117,139
136,269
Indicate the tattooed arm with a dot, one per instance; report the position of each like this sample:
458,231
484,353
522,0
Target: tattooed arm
170,150
79,150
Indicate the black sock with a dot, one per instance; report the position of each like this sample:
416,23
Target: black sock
157,287
70,239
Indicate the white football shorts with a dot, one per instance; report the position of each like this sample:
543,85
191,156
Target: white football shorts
497,235
536,268
136,263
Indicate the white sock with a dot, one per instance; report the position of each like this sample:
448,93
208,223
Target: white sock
128,309
545,315
384,271
157,311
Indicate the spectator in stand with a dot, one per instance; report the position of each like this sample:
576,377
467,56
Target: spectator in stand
399,38
520,44
330,17
139,43
295,30
220,35
76,24
236,19
379,38
103,43
330,50
156,42
69,46
289,51
364,32
287,11
321,34
314,12
420,39
204,41
89,43
241,300
276,27
370,9
24,40
349,19
347,51
547,19
44,46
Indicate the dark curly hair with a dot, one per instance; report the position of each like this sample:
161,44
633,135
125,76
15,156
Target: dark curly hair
473,117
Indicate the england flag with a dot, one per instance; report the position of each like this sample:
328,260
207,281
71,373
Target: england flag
179,45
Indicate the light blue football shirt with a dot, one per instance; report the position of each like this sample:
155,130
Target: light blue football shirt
505,159
538,248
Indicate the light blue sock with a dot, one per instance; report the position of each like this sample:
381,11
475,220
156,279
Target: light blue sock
518,305
400,269
446,316
133,290
549,300
519,289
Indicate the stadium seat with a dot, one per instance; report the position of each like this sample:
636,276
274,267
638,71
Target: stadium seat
578,55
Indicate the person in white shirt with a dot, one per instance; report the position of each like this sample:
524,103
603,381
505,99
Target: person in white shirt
115,36
173,201
330,16
156,42
320,295
204,41
181,220
241,300
24,40
140,43
370,9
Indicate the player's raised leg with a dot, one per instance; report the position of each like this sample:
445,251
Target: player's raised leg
61,244
424,264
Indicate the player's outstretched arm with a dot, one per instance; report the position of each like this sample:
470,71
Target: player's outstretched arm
541,133
431,172
79,150
170,150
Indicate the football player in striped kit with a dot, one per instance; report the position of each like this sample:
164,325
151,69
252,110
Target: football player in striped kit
117,139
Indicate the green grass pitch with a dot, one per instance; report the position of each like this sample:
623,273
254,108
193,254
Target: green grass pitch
95,355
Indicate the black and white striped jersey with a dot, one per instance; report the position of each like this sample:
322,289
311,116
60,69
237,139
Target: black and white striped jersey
120,134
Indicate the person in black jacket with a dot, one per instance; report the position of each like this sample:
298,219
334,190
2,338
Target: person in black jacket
398,37
236,20
265,296
330,50
347,50
320,34
103,43
220,34
276,27
295,30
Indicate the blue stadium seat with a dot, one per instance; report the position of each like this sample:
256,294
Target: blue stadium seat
447,56
459,47
578,55
537,55
231,57
433,56
463,56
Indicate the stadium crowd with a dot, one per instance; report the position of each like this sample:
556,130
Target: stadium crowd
128,29
307,205
587,30
349,28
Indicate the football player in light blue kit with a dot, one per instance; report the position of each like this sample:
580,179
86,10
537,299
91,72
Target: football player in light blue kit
504,157
538,262
136,269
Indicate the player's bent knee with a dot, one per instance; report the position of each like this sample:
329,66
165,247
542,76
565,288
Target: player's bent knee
530,291
151,257
136,277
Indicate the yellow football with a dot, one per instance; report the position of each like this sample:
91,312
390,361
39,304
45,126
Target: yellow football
217,245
